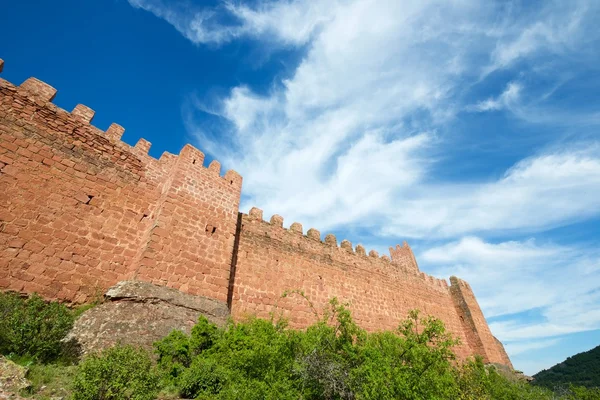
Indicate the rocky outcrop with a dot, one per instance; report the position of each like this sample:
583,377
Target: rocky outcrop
140,313
12,379
509,373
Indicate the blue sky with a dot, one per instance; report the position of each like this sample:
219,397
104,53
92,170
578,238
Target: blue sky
469,129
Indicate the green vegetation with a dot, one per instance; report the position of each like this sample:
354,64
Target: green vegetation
260,359
582,369
332,359
49,381
121,372
31,328
31,334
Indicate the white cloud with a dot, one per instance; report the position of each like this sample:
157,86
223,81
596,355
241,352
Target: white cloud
538,193
505,100
352,137
541,290
286,22
523,347
557,29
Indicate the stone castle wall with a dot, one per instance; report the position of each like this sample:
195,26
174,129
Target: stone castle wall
80,210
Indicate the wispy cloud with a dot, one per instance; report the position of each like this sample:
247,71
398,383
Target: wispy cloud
534,293
516,276
524,347
287,23
538,193
508,97
338,129
556,286
556,30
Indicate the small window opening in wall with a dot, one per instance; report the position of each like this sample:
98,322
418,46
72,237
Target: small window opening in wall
194,161
90,197
210,230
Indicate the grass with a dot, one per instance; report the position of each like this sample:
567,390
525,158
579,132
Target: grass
49,381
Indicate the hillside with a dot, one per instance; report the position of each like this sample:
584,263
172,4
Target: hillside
582,369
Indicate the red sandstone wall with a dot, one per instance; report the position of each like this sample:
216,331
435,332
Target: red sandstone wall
272,259
476,329
504,359
191,241
81,210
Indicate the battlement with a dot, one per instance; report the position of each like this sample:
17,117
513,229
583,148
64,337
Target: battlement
401,263
39,95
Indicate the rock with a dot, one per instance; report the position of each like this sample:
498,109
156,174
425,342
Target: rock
12,379
141,313
509,373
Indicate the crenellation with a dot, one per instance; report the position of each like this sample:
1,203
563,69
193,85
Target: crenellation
330,240
296,227
233,178
167,157
277,221
38,89
114,132
314,234
360,250
83,113
191,155
215,167
142,147
256,213
82,210
346,245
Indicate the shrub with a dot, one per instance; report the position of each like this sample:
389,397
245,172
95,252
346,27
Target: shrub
118,373
31,327
177,350
335,359
203,377
173,356
412,363
49,381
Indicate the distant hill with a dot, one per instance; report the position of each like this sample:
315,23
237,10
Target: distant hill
582,369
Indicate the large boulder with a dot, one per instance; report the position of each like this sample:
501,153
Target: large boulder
140,313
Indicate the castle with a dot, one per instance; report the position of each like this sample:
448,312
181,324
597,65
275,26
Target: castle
81,210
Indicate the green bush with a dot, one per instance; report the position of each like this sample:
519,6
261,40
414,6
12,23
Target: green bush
203,377
118,373
333,359
477,381
174,356
264,359
31,327
412,363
